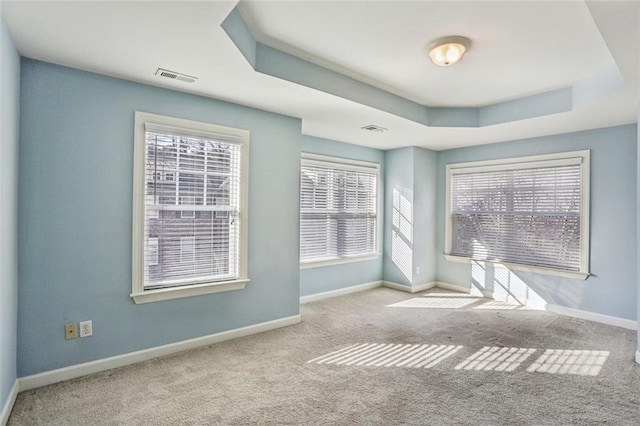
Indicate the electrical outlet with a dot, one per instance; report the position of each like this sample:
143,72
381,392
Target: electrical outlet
71,331
86,328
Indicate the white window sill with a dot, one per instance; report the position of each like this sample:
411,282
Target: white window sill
339,261
158,295
518,267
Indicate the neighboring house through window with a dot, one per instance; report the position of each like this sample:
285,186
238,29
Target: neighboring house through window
529,213
338,209
187,201
152,251
190,219
187,249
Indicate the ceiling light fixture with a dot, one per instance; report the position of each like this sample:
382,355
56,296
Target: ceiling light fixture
447,51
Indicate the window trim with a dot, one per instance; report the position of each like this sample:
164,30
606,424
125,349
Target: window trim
356,165
502,164
185,128
340,261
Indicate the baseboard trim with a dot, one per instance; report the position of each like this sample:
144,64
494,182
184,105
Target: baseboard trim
396,286
79,370
592,316
409,289
452,287
8,405
424,286
571,312
367,286
637,357
339,292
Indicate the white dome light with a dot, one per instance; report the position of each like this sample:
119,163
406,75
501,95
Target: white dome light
447,51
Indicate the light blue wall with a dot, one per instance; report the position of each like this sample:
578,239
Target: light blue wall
76,163
9,123
75,227
613,288
335,277
398,256
410,251
425,181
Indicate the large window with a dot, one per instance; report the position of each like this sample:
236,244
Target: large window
189,219
338,209
530,213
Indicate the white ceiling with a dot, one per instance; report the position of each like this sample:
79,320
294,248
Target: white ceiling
518,49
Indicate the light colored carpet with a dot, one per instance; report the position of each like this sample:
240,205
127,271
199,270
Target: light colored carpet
428,359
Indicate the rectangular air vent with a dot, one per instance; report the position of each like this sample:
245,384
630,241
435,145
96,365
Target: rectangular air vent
374,128
161,72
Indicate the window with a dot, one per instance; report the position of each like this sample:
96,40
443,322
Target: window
153,213
338,209
187,249
187,201
176,252
528,213
152,252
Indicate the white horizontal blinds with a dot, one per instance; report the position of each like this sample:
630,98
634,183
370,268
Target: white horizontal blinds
318,229
337,210
191,221
526,215
355,204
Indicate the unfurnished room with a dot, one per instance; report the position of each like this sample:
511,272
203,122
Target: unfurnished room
319,212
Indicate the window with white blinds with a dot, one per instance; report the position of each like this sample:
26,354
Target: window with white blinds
189,219
530,211
338,209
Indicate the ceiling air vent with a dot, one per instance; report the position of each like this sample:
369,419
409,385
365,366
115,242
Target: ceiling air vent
374,128
175,75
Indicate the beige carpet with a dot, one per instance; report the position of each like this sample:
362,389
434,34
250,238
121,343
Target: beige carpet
379,357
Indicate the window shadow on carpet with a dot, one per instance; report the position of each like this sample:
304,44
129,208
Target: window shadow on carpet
488,358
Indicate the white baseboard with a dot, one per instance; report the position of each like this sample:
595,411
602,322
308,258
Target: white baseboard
367,286
576,313
452,287
637,357
339,292
592,316
409,289
71,372
8,405
422,287
396,286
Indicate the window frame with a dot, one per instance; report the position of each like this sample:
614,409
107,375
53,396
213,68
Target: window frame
347,163
196,129
506,163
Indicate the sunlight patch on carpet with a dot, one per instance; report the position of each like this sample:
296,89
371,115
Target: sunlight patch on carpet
497,305
435,302
566,361
496,359
389,355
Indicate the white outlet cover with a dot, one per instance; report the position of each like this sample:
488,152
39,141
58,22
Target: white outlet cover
86,328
